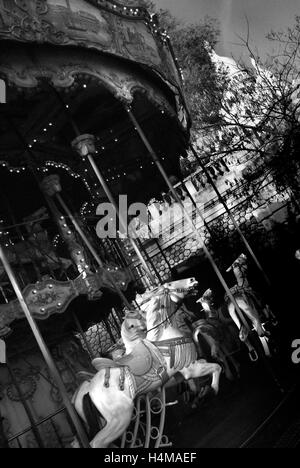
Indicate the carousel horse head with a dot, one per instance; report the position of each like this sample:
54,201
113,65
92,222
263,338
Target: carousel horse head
207,300
240,262
133,330
161,303
183,287
175,290
134,326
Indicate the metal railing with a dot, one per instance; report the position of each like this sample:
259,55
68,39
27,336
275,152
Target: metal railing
58,440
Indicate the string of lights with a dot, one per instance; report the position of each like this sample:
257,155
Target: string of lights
58,165
137,13
140,13
131,11
118,172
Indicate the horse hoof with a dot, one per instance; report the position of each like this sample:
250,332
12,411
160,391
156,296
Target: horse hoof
266,332
75,444
204,398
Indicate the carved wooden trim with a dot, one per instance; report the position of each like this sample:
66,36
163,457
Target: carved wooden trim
50,296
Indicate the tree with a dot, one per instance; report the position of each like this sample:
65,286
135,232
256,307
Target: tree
251,111
259,115
190,43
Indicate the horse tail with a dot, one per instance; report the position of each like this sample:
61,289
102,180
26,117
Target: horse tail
92,415
199,345
196,335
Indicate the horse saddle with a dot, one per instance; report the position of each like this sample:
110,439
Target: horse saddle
139,361
240,290
103,363
82,376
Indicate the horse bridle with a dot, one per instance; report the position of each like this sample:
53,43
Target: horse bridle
177,290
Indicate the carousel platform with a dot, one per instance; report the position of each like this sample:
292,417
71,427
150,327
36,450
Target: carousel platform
252,413
282,427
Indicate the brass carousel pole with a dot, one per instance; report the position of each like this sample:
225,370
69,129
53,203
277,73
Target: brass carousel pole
162,252
144,249
232,218
83,336
45,352
85,147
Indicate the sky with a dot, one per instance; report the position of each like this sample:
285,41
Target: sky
262,15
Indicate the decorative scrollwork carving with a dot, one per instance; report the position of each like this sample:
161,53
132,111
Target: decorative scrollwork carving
27,383
49,296
22,4
41,7
33,29
147,424
90,25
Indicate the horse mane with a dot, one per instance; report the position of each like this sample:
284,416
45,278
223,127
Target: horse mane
159,313
162,310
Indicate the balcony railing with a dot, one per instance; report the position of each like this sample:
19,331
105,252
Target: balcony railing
50,431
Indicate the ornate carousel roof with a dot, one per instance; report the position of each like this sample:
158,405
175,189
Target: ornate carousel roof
77,65
122,29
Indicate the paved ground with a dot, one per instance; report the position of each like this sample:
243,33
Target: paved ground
282,429
236,417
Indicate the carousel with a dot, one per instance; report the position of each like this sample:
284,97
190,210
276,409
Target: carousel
92,342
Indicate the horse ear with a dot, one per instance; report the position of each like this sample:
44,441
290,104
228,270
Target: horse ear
126,313
229,269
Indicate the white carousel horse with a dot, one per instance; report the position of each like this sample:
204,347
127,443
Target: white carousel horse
104,391
149,365
250,304
214,330
160,307
177,290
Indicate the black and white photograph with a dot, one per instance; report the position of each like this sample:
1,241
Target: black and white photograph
149,226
